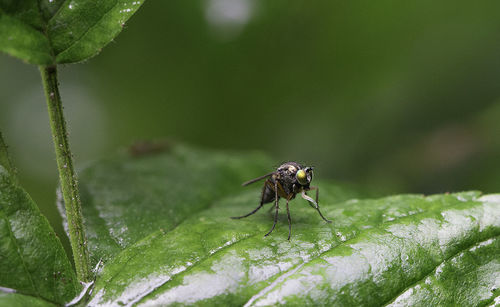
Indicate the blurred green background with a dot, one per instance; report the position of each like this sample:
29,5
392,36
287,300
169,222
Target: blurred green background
392,96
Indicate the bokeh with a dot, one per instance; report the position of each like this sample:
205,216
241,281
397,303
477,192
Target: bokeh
391,96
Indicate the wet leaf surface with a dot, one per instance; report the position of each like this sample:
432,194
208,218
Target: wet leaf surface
162,226
53,31
32,259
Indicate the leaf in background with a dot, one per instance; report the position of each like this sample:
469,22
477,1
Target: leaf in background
374,252
5,159
32,259
49,31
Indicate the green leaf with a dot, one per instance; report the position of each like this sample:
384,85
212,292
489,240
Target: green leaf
128,198
473,273
20,300
53,31
32,259
162,225
23,41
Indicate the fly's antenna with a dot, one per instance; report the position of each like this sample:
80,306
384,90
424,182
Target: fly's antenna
256,179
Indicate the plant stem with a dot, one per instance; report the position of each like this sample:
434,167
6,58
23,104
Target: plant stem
67,175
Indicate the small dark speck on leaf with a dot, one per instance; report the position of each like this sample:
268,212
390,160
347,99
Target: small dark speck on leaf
146,148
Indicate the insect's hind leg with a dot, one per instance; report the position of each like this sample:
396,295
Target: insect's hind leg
248,214
262,200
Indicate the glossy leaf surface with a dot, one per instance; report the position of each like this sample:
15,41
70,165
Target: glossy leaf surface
32,259
128,198
53,31
405,248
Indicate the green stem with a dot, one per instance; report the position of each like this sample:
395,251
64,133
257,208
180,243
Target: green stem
67,175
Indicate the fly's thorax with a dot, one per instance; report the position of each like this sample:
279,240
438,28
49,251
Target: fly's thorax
286,179
289,168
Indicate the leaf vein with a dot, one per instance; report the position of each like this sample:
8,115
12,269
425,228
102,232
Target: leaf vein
191,267
495,235
377,226
88,30
18,251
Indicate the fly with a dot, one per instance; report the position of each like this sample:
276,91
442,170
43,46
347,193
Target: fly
286,182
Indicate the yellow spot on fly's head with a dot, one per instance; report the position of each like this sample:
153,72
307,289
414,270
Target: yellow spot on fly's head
302,177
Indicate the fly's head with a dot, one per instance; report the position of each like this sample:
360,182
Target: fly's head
304,176
294,177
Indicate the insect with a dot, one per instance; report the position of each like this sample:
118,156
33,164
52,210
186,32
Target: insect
286,182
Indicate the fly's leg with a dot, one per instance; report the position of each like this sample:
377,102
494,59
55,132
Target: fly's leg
248,214
317,195
289,220
276,206
311,202
256,209
321,214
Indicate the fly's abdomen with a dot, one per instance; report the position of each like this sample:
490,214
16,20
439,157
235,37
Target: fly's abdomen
268,193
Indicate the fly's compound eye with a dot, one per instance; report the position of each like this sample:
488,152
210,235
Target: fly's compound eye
302,177
309,172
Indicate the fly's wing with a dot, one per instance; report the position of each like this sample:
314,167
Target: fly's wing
256,179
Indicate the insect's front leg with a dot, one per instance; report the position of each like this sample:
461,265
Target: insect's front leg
317,193
311,201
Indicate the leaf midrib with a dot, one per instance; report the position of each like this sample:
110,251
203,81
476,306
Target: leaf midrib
18,251
46,23
88,30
